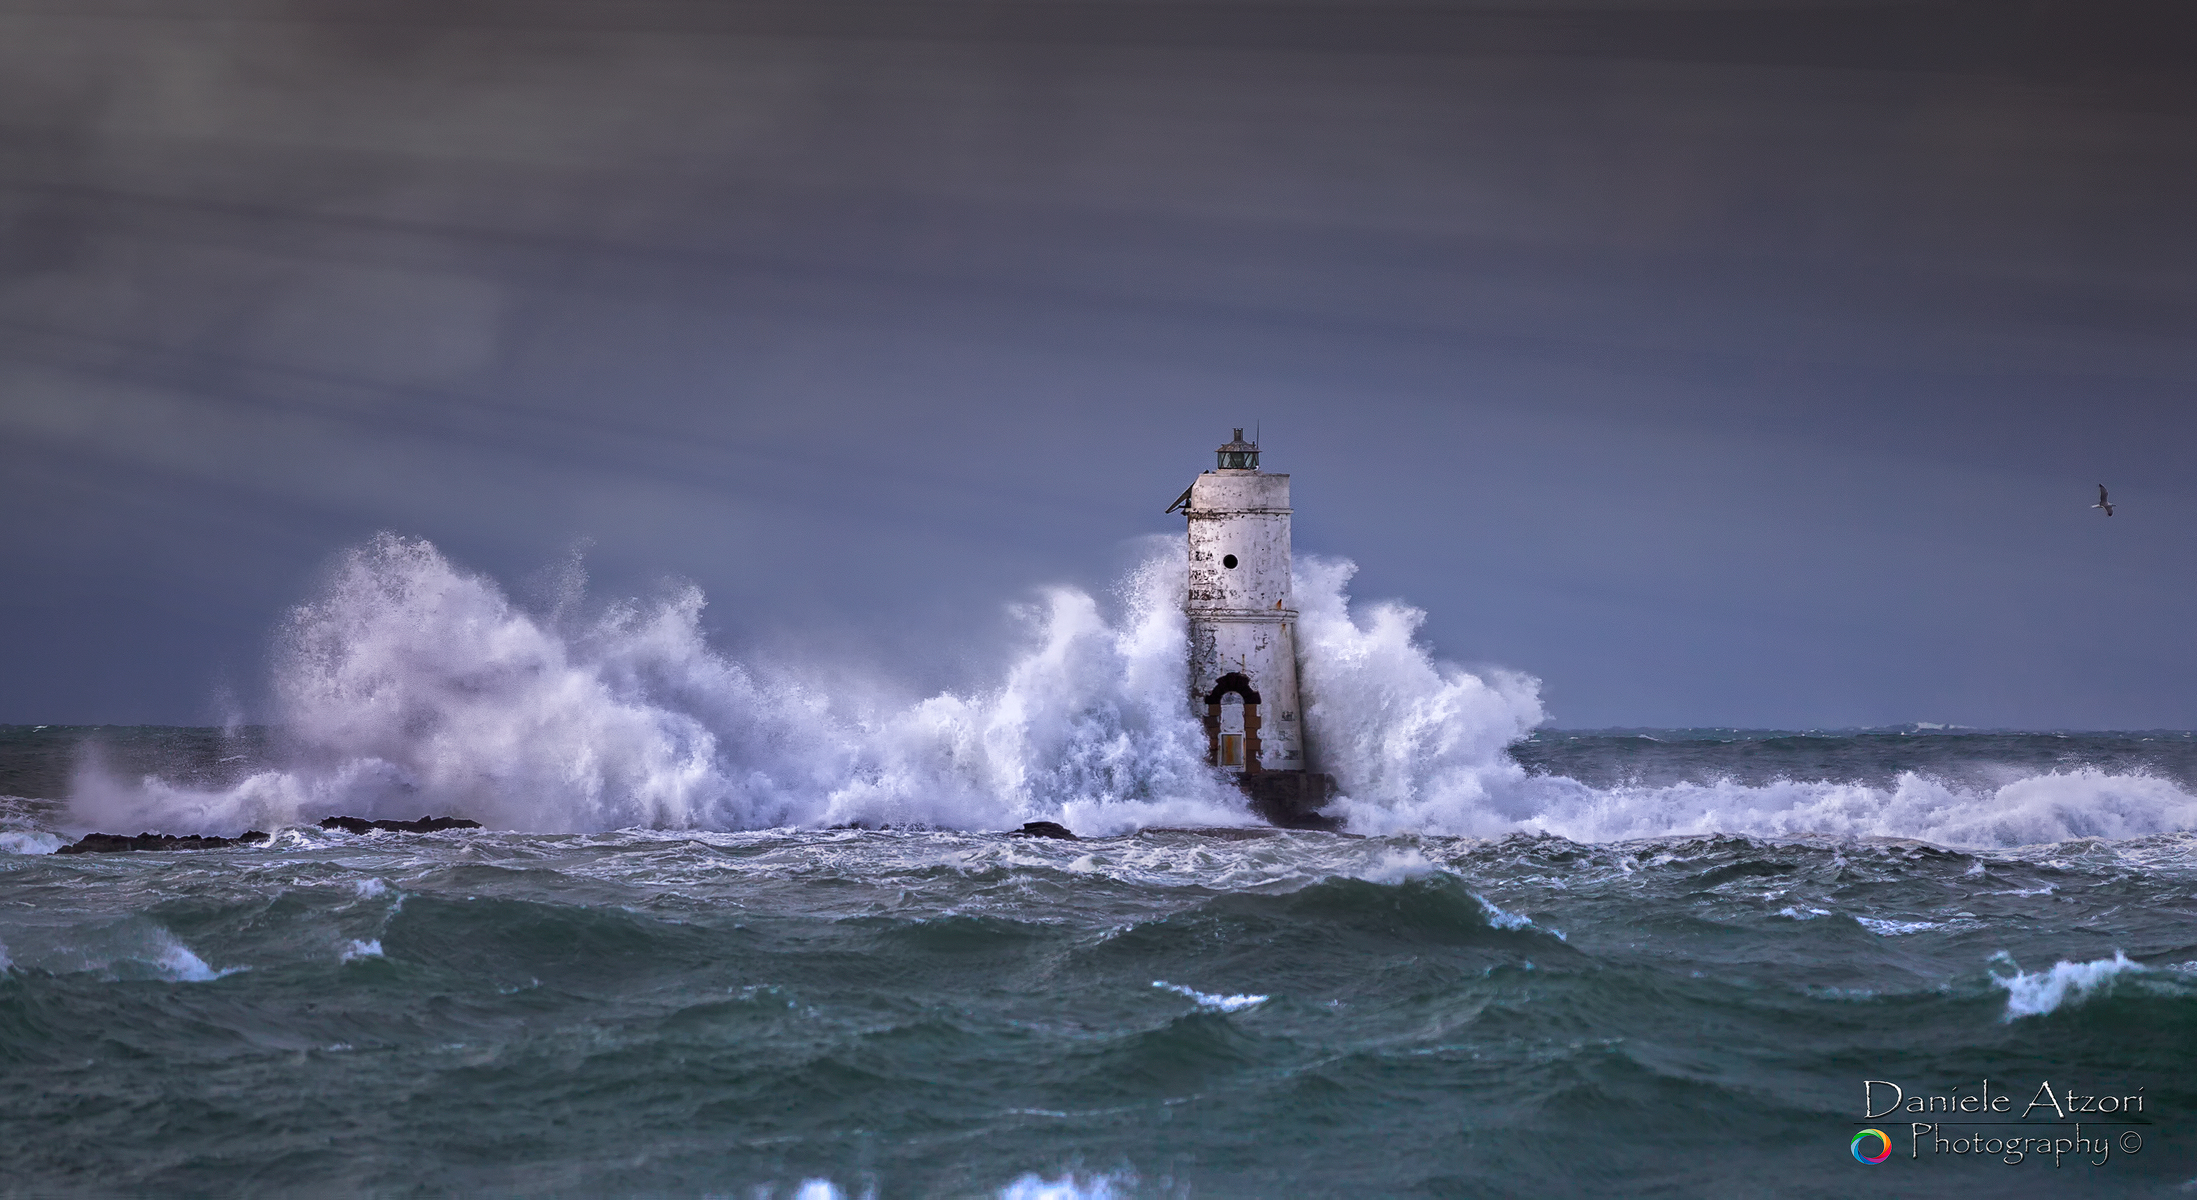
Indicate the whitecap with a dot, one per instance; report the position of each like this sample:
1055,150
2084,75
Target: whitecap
360,949
1068,1187
2053,807
14,842
1396,866
176,962
1209,1000
1885,927
2030,995
1500,919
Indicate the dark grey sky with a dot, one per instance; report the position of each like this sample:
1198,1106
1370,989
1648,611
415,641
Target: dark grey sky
1734,365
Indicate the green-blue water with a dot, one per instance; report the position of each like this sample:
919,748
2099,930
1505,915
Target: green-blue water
1230,1013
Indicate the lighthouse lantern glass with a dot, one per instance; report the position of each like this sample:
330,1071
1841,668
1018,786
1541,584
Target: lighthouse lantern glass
1239,455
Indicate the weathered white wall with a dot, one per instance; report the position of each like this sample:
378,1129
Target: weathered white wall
1243,618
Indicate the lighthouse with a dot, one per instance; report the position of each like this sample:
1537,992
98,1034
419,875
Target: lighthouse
1243,635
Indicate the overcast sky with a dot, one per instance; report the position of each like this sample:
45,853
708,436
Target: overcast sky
1734,365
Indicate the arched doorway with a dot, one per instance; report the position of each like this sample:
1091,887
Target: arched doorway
1230,749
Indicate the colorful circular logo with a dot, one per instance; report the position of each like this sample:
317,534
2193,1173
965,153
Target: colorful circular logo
1884,1146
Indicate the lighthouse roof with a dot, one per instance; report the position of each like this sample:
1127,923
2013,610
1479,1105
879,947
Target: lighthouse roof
1239,455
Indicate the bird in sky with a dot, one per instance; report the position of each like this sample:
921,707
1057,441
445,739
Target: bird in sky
2102,501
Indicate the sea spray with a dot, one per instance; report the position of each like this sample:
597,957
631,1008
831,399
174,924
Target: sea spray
2031,995
2050,807
1414,742
408,685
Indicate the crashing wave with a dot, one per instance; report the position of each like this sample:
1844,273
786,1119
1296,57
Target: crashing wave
410,685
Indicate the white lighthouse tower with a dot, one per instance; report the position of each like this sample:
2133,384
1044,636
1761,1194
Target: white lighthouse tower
1243,633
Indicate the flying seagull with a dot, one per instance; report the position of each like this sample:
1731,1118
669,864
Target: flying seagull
2102,501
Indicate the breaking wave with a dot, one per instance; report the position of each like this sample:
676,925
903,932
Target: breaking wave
412,686
2052,807
1211,1000
2031,995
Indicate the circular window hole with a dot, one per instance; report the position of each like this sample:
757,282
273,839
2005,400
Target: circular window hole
1229,561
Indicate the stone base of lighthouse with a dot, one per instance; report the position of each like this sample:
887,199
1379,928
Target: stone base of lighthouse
1290,799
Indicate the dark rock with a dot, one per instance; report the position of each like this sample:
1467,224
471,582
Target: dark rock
423,825
115,843
1291,799
1045,829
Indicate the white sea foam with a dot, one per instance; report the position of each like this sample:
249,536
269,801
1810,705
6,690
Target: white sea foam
1885,927
1029,1187
411,686
2030,995
1068,1187
360,949
1415,742
1235,1003
175,961
2053,807
1396,866
1500,919
1417,746
370,888
29,843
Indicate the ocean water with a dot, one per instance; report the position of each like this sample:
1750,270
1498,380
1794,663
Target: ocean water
730,933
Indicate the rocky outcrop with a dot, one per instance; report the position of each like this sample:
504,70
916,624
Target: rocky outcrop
423,825
115,843
1045,829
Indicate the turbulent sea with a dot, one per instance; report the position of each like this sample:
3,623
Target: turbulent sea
728,934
